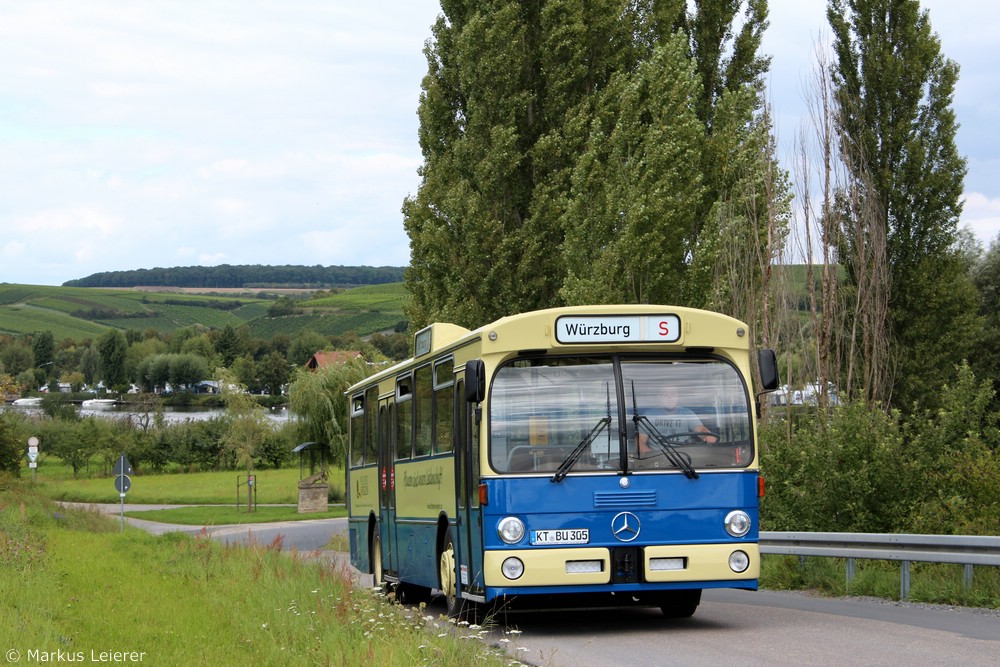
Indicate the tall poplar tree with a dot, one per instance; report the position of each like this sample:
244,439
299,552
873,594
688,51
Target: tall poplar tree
894,91
112,347
522,105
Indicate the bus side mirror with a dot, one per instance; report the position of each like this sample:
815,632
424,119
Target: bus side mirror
475,381
768,363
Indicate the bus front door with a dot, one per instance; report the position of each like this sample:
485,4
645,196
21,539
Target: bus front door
468,525
387,486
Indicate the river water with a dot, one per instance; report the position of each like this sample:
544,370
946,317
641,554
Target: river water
170,414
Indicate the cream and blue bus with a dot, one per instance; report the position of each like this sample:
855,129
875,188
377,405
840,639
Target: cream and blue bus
596,455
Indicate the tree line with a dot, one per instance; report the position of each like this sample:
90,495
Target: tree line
153,361
244,276
240,438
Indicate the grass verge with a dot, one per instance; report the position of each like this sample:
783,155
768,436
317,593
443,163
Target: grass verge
933,583
207,515
74,588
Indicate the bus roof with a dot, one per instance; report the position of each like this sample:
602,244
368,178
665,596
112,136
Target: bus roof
633,327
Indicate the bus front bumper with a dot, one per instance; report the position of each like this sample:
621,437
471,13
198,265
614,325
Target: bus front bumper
589,566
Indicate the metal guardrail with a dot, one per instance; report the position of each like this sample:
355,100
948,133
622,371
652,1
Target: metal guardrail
968,550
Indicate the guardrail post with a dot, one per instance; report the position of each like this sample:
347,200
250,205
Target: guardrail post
850,573
904,579
967,579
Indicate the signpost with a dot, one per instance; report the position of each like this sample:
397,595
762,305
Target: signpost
33,456
123,482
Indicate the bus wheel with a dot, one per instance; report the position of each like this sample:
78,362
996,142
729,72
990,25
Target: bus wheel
378,580
446,573
681,604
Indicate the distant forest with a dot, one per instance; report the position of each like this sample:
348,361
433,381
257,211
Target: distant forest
245,276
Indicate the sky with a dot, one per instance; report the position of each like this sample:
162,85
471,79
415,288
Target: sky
170,133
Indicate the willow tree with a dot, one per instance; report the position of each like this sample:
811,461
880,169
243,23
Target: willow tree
321,409
894,92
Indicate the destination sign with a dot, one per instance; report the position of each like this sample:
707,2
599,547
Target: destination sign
618,329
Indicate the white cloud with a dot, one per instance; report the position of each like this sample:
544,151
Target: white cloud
149,134
981,214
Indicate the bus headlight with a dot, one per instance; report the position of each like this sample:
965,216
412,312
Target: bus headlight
512,568
739,561
737,523
511,530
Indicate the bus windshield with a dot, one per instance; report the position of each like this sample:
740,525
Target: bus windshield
580,414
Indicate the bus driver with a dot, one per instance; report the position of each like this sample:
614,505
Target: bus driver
669,418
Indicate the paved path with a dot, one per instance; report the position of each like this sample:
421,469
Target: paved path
305,536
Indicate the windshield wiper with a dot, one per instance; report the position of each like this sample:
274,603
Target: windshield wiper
603,423
679,460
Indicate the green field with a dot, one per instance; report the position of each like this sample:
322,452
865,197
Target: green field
389,298
75,588
80,313
54,479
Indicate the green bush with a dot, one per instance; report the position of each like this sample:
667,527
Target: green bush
857,468
10,447
834,471
955,450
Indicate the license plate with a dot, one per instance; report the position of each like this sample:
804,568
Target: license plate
561,536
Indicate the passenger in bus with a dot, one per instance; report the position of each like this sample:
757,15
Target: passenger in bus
668,417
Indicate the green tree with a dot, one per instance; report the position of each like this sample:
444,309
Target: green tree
17,358
11,448
43,347
282,307
894,92
90,365
517,110
112,347
8,386
321,409
186,370
228,345
70,440
248,427
305,345
245,370
200,345
636,187
153,373
986,276
138,353
273,371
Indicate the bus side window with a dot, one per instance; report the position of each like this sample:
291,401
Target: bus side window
371,426
404,418
357,430
423,402
444,381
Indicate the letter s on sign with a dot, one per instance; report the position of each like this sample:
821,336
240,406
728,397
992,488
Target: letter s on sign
664,328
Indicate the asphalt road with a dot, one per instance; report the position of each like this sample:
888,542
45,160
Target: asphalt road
762,628
305,535
729,628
